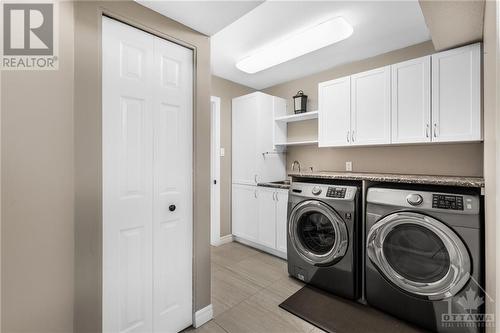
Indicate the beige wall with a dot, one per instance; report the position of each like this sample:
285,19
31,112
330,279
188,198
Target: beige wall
37,193
88,213
226,90
491,144
453,23
448,159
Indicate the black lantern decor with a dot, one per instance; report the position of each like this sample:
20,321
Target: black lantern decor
300,102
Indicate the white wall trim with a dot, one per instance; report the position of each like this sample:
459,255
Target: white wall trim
223,240
203,316
215,170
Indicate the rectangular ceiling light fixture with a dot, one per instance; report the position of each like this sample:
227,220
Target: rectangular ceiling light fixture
308,40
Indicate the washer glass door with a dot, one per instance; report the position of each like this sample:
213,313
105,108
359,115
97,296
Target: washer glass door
317,233
419,254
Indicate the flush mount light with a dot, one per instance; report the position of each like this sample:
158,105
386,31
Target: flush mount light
297,44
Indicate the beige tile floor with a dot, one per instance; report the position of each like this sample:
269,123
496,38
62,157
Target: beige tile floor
247,287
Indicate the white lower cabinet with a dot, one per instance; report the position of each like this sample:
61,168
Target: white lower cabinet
245,212
281,219
259,217
267,216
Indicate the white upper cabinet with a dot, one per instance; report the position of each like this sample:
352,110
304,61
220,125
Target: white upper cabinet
334,119
252,138
456,95
411,101
244,145
430,99
371,107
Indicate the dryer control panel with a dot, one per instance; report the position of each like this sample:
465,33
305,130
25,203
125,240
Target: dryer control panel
444,201
336,192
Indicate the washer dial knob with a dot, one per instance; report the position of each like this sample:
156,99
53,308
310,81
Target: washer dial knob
414,199
316,190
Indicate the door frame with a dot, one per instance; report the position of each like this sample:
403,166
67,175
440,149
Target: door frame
205,314
215,170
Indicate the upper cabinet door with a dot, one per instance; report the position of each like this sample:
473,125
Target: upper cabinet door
411,101
244,139
371,107
456,94
334,112
270,167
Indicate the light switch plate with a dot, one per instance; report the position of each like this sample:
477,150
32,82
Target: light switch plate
222,152
348,166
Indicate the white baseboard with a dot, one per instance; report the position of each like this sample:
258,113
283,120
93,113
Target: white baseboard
223,240
203,316
269,250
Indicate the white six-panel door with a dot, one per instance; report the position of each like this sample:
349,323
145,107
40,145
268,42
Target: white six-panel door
172,187
147,182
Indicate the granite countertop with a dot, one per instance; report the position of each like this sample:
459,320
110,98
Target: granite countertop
394,178
285,184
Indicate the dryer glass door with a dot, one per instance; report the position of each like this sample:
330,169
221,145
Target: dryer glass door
419,254
317,232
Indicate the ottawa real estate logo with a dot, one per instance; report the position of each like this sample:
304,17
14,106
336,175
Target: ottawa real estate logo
29,36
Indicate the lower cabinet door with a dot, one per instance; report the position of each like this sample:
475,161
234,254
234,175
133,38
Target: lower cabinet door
245,212
267,216
281,219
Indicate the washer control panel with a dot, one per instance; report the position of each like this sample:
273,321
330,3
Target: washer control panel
444,201
336,192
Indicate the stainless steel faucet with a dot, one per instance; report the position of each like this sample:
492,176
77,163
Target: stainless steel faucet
293,165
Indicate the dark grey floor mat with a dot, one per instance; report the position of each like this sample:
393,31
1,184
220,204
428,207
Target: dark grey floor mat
335,314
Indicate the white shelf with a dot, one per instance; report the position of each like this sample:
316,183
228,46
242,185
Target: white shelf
298,117
298,143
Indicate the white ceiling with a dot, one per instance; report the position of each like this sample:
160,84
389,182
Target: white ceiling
207,17
379,27
245,26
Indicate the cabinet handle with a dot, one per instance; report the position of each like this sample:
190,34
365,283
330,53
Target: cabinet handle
427,130
255,193
276,195
348,136
435,130
352,136
255,178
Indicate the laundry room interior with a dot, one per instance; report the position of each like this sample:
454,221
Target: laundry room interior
250,166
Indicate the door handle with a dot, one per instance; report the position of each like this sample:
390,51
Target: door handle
348,136
171,208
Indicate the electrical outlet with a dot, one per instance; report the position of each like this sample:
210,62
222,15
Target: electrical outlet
348,166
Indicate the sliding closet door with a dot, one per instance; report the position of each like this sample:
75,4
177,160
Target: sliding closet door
147,182
172,217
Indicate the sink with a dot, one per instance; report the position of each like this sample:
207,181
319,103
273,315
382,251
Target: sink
281,182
